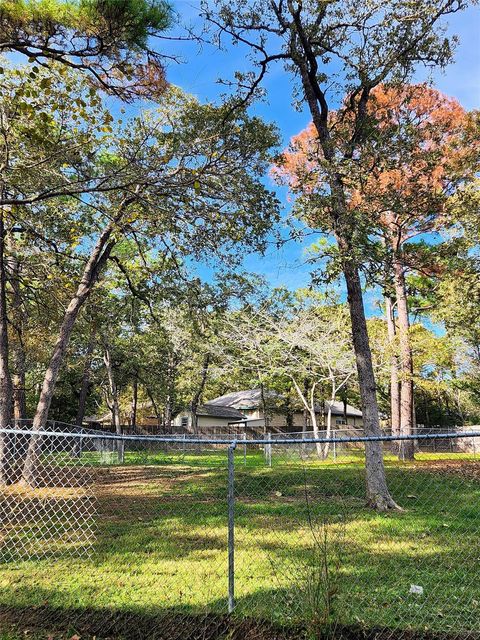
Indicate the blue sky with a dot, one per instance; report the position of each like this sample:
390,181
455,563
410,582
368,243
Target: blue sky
201,69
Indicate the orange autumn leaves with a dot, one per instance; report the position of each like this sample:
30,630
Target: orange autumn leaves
418,146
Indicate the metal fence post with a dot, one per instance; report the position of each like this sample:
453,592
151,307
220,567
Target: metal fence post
245,450
268,450
231,527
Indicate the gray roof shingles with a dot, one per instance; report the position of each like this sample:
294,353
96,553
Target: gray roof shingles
252,399
214,411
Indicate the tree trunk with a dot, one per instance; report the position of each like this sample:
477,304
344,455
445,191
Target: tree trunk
344,401
92,269
305,410
406,449
115,406
309,406
82,400
158,415
329,429
6,390
19,366
378,495
168,414
196,398
169,403
394,378
316,434
266,420
17,347
133,407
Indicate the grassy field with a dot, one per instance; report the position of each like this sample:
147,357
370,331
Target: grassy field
160,547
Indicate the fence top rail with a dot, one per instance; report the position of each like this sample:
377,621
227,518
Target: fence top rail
236,441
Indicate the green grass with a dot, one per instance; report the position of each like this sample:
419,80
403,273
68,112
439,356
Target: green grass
161,544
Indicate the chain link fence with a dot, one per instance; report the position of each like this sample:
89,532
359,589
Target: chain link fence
178,538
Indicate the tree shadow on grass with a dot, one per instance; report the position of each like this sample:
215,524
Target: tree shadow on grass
63,623
177,511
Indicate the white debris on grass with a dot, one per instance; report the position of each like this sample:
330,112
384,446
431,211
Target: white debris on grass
415,588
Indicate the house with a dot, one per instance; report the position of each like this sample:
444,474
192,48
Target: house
244,411
281,417
210,415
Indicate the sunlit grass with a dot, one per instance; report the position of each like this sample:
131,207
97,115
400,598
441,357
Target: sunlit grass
161,543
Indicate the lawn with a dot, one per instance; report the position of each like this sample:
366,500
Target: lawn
155,552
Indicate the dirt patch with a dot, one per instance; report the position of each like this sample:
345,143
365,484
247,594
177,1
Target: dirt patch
55,624
132,478
52,481
467,469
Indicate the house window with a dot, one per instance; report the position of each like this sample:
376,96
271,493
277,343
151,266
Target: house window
340,421
184,422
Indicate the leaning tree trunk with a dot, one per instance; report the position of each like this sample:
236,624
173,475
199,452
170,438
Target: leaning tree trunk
6,462
92,269
95,263
394,377
406,449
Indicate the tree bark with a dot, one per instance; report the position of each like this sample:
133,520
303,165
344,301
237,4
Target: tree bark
170,399
329,429
394,365
406,449
6,387
133,406
90,275
305,410
308,400
95,263
156,410
168,413
82,400
344,401
114,395
266,415
19,371
378,495
197,396
17,347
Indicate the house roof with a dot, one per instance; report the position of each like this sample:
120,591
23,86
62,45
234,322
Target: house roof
252,399
214,411
337,409
247,399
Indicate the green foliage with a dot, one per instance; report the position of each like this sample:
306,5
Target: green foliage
107,40
124,22
135,19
